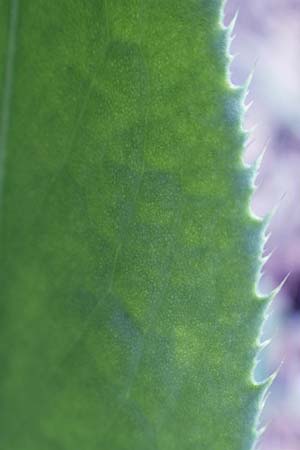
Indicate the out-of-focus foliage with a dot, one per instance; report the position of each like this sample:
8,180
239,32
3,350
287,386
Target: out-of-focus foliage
128,256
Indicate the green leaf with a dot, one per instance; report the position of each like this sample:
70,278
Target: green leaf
128,255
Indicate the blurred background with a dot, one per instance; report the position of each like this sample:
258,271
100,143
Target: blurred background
267,39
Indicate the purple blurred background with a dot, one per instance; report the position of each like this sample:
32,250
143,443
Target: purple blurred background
268,41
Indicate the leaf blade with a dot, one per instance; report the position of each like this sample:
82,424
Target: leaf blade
130,256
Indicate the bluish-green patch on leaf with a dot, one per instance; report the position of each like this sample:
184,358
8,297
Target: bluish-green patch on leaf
128,257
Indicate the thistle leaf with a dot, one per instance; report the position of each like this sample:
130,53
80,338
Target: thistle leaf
128,255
